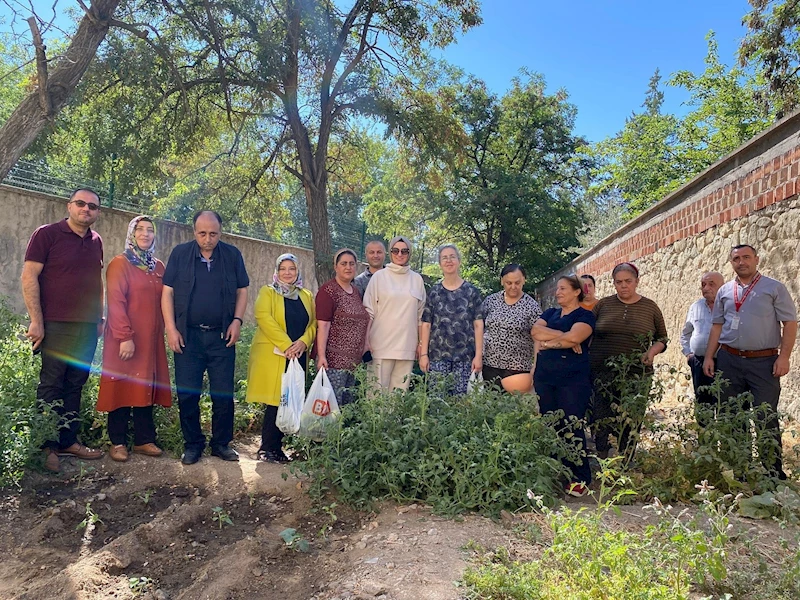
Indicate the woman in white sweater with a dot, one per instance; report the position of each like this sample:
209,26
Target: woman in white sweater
395,298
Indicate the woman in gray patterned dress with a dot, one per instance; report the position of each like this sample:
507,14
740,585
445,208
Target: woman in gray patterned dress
451,340
508,339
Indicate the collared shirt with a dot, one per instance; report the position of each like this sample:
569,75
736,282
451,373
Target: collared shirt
71,282
760,316
205,307
694,337
362,280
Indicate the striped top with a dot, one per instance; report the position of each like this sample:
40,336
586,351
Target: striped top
621,326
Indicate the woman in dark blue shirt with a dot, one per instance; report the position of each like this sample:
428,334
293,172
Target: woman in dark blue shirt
562,378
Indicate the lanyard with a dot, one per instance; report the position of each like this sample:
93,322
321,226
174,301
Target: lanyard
750,287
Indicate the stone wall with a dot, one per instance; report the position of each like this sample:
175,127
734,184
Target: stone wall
749,197
25,211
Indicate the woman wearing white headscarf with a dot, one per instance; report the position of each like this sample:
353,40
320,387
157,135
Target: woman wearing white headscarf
135,374
395,299
287,325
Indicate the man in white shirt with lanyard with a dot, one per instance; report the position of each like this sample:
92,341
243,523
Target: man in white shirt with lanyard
754,326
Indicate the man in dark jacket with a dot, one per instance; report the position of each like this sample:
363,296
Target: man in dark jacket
204,299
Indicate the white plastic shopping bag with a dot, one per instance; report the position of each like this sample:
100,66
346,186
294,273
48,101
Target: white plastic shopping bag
293,387
321,409
475,382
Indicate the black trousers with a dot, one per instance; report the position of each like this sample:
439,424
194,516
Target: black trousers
701,399
67,352
205,351
271,436
572,396
754,375
144,429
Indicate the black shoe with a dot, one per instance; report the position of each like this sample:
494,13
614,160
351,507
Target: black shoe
273,456
225,453
191,456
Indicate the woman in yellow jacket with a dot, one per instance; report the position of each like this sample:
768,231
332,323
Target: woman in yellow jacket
286,328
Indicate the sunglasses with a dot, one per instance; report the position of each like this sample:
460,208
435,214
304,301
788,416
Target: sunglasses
81,204
402,251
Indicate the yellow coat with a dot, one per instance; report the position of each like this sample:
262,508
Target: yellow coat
265,369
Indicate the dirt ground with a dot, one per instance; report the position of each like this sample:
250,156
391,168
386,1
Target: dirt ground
154,536
150,532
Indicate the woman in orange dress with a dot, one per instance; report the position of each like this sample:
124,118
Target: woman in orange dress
135,374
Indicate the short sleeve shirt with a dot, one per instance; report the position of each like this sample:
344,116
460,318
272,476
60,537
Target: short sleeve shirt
71,281
760,316
557,362
694,336
348,319
507,341
452,314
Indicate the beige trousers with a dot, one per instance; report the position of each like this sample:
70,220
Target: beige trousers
390,374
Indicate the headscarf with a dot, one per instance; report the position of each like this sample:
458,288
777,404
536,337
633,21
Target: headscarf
142,259
287,290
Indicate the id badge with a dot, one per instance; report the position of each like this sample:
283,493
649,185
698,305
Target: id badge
735,322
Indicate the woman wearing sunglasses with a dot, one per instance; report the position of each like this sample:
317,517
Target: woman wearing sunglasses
135,374
395,299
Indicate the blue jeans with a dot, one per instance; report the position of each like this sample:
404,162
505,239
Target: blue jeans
205,351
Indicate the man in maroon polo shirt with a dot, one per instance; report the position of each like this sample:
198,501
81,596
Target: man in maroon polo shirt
63,290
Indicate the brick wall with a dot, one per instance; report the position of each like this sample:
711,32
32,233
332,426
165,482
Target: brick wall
763,172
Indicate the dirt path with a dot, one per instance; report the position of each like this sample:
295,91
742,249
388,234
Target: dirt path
154,535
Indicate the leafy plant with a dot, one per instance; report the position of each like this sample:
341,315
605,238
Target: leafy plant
24,425
91,519
140,585
221,517
145,496
475,453
679,452
294,540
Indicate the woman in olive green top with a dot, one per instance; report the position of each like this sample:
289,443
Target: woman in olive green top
627,322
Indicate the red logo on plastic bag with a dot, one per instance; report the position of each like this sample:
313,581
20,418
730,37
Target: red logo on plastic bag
321,408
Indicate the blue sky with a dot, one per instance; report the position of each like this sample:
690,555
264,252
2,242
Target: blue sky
602,52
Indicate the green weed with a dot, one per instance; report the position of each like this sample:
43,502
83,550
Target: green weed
475,453
220,516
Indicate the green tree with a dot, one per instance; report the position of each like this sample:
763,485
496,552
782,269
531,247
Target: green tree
54,86
494,174
643,162
772,48
725,111
298,68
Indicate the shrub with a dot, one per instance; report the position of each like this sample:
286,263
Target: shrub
677,557
23,427
681,453
480,452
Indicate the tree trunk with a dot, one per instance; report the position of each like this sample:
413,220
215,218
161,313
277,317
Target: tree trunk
31,117
317,204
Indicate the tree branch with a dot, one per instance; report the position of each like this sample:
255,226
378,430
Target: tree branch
41,68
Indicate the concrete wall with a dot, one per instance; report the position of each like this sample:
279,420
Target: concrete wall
25,211
749,197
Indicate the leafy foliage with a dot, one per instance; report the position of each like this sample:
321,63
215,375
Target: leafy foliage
494,174
481,452
23,426
682,555
772,48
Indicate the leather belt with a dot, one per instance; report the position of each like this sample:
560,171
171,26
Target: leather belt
750,353
206,327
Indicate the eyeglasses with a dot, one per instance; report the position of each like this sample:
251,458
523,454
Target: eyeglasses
81,204
403,251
